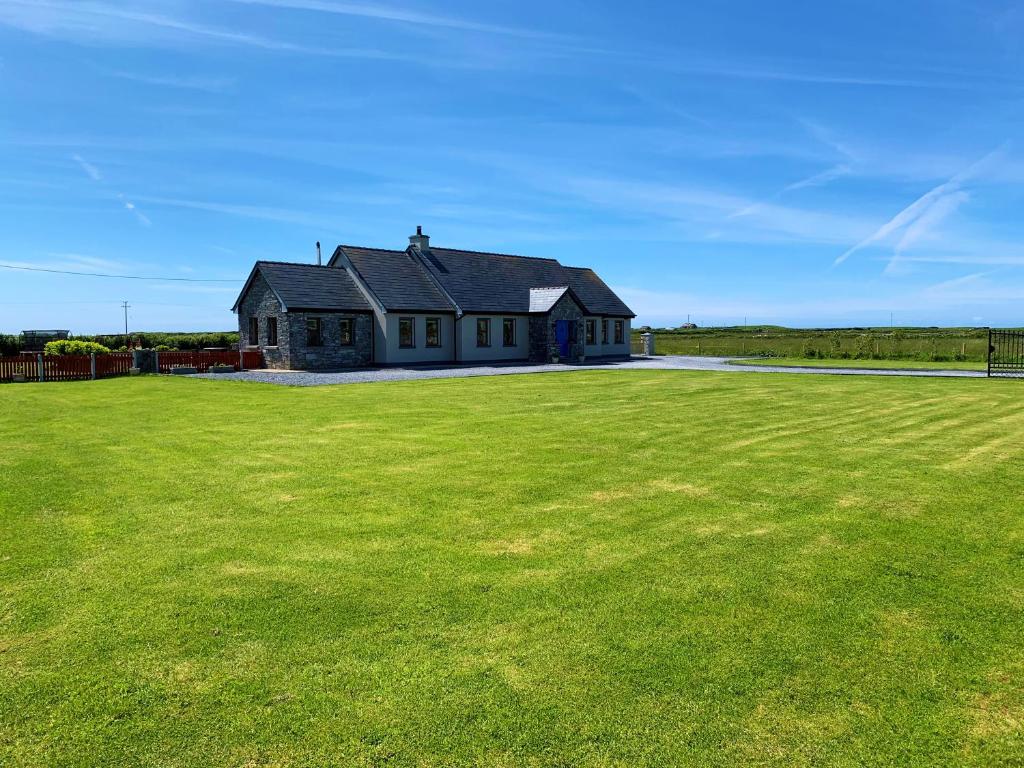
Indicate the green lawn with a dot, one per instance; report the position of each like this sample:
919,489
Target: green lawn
591,568
846,363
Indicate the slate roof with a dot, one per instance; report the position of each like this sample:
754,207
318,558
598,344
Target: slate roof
397,279
543,299
491,282
308,286
495,282
430,281
598,298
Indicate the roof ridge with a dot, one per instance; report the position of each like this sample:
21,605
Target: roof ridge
294,263
494,253
372,248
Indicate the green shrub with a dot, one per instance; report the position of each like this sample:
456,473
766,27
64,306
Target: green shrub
163,348
75,347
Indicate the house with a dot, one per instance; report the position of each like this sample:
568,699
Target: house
424,304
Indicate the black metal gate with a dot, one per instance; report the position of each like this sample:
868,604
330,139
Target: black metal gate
1006,353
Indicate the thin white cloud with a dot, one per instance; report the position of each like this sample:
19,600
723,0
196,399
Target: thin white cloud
920,207
395,14
921,228
105,22
209,84
267,213
130,207
816,180
90,170
819,179
94,173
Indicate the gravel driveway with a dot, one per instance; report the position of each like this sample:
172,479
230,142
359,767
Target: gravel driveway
668,362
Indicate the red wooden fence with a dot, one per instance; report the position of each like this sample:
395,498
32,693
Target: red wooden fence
24,364
66,367
116,364
78,367
202,361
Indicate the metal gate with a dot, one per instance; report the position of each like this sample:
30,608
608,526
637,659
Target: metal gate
1006,353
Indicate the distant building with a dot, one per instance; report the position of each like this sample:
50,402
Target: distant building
687,326
36,340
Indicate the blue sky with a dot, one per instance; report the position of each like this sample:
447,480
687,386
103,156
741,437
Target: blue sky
797,163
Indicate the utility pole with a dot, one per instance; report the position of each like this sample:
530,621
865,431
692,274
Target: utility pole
125,305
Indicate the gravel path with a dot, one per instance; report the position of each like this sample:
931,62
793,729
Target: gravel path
668,362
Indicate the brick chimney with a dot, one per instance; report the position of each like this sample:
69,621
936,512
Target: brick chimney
419,241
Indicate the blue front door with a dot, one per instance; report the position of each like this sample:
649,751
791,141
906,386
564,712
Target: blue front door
562,337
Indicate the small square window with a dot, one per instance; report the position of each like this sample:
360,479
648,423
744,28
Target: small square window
620,332
271,331
591,332
508,332
483,331
254,331
406,332
604,331
314,332
433,332
346,332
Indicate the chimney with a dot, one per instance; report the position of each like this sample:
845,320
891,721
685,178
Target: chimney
419,241
318,263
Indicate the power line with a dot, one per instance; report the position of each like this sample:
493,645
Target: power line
119,277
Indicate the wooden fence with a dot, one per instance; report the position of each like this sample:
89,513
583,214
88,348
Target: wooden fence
24,365
82,367
202,361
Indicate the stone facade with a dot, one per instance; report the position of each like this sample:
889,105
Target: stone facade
261,303
544,344
292,350
331,354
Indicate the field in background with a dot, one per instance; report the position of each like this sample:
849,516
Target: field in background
590,568
955,365
923,344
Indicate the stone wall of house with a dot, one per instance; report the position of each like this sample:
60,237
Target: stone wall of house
260,302
544,343
540,346
331,354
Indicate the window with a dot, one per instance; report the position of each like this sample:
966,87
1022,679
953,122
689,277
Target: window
407,332
254,331
483,331
508,332
433,331
620,332
346,332
271,331
591,332
604,331
314,332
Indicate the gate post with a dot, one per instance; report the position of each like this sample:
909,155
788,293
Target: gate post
92,366
156,361
241,357
989,353
648,342
42,371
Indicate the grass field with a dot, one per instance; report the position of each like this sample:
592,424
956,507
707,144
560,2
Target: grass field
592,568
924,365
920,344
